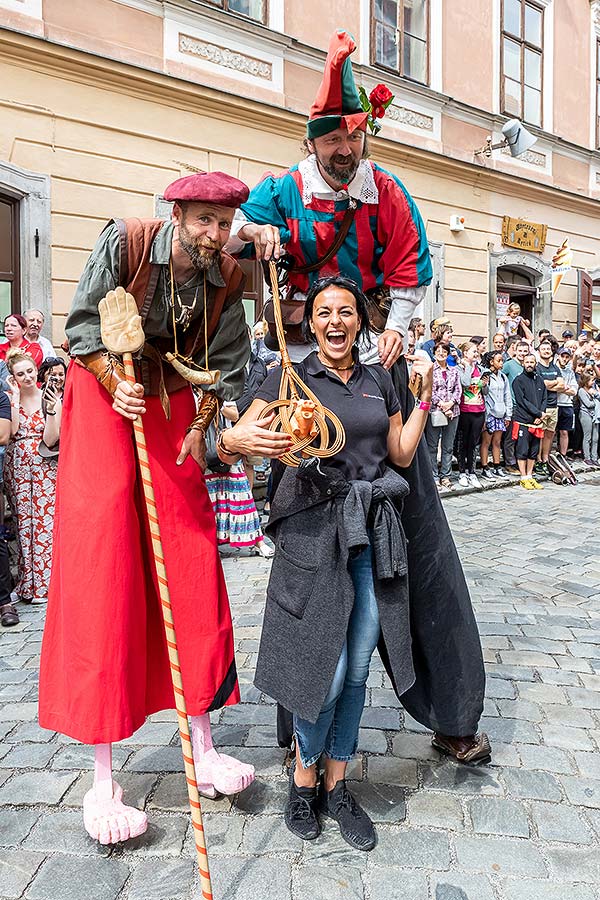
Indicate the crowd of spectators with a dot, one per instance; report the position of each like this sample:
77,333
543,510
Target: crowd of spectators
32,380
515,401
504,407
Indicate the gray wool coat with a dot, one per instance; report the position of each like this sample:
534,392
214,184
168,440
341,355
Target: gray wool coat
317,520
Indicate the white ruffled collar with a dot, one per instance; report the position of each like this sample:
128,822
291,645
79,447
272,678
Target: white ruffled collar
362,187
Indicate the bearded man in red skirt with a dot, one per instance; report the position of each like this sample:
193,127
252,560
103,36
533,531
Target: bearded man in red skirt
104,664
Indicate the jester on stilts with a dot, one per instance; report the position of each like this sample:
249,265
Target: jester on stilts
337,212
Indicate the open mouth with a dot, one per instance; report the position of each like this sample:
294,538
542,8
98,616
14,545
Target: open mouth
336,339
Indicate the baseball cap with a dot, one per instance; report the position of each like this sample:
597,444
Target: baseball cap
566,351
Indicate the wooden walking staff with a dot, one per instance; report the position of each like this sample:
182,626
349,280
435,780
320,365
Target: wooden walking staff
122,334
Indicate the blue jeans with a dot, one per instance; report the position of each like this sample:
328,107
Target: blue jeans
336,730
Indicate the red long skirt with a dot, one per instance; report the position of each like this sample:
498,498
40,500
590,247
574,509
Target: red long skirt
104,664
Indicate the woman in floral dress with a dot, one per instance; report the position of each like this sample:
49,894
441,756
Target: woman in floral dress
30,481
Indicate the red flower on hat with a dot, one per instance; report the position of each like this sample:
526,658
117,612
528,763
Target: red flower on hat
380,97
375,104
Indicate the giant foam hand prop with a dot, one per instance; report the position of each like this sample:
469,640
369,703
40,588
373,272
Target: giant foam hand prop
120,323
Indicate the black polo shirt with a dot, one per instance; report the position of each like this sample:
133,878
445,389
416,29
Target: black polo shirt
363,407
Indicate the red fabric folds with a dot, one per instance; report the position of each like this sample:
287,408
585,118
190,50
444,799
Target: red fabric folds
104,664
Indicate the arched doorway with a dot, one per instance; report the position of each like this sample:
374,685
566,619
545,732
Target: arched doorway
524,278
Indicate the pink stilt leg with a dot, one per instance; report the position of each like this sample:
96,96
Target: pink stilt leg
105,816
216,772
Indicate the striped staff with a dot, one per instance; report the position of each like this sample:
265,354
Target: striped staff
122,334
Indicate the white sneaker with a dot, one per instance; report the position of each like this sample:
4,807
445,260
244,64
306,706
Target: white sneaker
463,480
474,480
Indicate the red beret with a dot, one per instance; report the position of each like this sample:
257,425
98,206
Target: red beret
209,187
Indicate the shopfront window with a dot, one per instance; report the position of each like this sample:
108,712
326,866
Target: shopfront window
252,9
9,257
522,60
399,37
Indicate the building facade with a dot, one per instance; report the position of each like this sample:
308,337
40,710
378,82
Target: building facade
104,102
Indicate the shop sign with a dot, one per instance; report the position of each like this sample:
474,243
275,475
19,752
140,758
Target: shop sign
523,235
502,301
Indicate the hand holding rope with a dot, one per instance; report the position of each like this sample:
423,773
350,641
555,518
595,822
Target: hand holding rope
304,419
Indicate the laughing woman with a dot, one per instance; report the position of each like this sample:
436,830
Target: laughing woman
339,576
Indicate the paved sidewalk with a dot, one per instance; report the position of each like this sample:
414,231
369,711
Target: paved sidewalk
526,827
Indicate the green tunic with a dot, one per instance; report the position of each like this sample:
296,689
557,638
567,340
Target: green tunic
229,347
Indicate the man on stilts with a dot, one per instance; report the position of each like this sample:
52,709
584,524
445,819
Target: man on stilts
104,665
336,211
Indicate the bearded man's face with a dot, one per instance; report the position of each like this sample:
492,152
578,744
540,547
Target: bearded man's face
339,153
203,231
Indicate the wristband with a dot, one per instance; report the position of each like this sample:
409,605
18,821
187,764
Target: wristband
222,448
425,405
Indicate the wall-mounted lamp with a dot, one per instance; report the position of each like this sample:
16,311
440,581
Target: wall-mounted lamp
516,138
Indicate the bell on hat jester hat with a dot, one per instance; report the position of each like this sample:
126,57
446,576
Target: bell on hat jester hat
209,187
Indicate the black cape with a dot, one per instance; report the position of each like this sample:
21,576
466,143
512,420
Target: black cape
449,687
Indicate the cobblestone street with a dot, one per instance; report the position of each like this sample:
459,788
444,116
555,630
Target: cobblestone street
525,827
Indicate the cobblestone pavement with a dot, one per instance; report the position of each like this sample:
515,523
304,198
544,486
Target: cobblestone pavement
525,827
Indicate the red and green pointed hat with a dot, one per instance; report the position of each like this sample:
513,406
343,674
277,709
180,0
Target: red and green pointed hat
337,104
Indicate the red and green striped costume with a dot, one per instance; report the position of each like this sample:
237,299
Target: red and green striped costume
386,244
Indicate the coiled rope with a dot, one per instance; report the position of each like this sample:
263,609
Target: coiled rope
289,399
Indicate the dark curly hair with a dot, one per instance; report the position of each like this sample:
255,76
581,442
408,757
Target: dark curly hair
48,364
347,284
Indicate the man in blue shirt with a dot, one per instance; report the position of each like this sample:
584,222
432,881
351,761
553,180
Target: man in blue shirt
511,368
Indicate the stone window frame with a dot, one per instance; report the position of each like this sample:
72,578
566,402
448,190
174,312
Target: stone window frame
597,98
32,190
400,42
224,5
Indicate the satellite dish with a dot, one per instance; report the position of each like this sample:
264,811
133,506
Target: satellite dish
517,137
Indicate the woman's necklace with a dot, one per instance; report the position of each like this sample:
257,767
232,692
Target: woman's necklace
337,368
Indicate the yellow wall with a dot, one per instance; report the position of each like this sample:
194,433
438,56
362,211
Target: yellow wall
110,148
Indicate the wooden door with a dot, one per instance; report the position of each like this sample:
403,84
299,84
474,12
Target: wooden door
10,287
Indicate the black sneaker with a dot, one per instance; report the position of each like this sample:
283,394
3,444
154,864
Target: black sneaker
355,826
487,473
499,472
300,810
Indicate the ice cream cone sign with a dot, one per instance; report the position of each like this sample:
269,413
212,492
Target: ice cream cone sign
562,262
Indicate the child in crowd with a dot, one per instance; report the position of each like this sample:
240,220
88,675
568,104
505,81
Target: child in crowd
498,412
472,413
513,322
589,417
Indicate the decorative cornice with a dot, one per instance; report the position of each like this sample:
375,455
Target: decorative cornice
533,157
595,4
221,56
63,62
411,117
